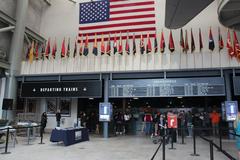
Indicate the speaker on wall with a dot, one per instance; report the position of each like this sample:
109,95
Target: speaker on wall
7,104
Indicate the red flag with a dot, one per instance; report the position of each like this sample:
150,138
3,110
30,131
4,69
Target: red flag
42,50
115,45
192,42
149,44
120,49
54,49
182,40
48,49
229,45
95,46
200,40
236,47
108,50
220,40
75,49
36,51
171,46
102,46
63,49
186,48
81,47
68,48
162,43
127,49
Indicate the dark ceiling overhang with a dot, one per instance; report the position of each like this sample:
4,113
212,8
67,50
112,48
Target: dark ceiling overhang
180,12
229,13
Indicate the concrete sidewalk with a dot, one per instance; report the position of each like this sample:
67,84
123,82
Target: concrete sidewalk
115,148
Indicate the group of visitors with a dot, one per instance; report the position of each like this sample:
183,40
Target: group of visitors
90,121
154,123
122,122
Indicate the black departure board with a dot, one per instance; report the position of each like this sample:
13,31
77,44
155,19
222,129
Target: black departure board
184,87
236,84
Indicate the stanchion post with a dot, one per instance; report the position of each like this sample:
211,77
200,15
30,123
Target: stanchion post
182,133
211,150
28,135
41,134
6,145
194,143
220,138
163,147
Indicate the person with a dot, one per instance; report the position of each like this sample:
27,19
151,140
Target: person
215,119
148,122
237,130
189,123
127,118
58,117
43,122
119,122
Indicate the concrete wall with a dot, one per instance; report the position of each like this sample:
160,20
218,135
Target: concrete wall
61,20
33,20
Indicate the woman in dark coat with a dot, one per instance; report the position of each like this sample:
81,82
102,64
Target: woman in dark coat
43,121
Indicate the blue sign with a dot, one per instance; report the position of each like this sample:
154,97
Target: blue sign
105,112
231,110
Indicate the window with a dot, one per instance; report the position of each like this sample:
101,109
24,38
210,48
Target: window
65,106
51,105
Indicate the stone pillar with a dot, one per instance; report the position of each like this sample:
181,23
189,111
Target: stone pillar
228,97
15,53
106,99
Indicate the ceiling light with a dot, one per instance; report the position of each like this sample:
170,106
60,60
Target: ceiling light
91,98
135,98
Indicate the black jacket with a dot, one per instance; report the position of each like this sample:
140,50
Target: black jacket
58,116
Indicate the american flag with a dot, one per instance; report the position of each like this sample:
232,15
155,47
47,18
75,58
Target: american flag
115,17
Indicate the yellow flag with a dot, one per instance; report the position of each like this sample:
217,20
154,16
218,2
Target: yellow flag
31,53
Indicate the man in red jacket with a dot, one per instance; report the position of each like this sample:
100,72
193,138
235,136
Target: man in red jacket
148,122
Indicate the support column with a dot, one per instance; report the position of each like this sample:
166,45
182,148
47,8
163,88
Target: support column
16,52
228,96
2,91
106,99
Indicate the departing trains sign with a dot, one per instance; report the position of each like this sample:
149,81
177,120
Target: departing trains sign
81,89
186,87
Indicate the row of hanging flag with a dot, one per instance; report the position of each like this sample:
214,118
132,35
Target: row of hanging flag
46,53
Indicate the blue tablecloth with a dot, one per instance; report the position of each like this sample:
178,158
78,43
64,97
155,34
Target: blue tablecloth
69,135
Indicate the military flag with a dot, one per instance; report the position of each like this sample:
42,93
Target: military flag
127,49
120,49
229,45
186,48
31,54
220,40
48,49
102,46
200,40
134,45
63,50
142,48
182,45
85,50
192,42
171,46
211,44
108,49
149,44
115,45
95,47
162,43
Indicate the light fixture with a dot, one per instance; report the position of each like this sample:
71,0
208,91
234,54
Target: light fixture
91,98
135,98
179,97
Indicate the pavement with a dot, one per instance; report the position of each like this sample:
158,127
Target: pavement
115,148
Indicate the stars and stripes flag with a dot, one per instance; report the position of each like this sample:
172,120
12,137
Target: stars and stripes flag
117,16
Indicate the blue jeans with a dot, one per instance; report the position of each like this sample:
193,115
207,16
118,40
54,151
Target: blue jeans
148,128
189,126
